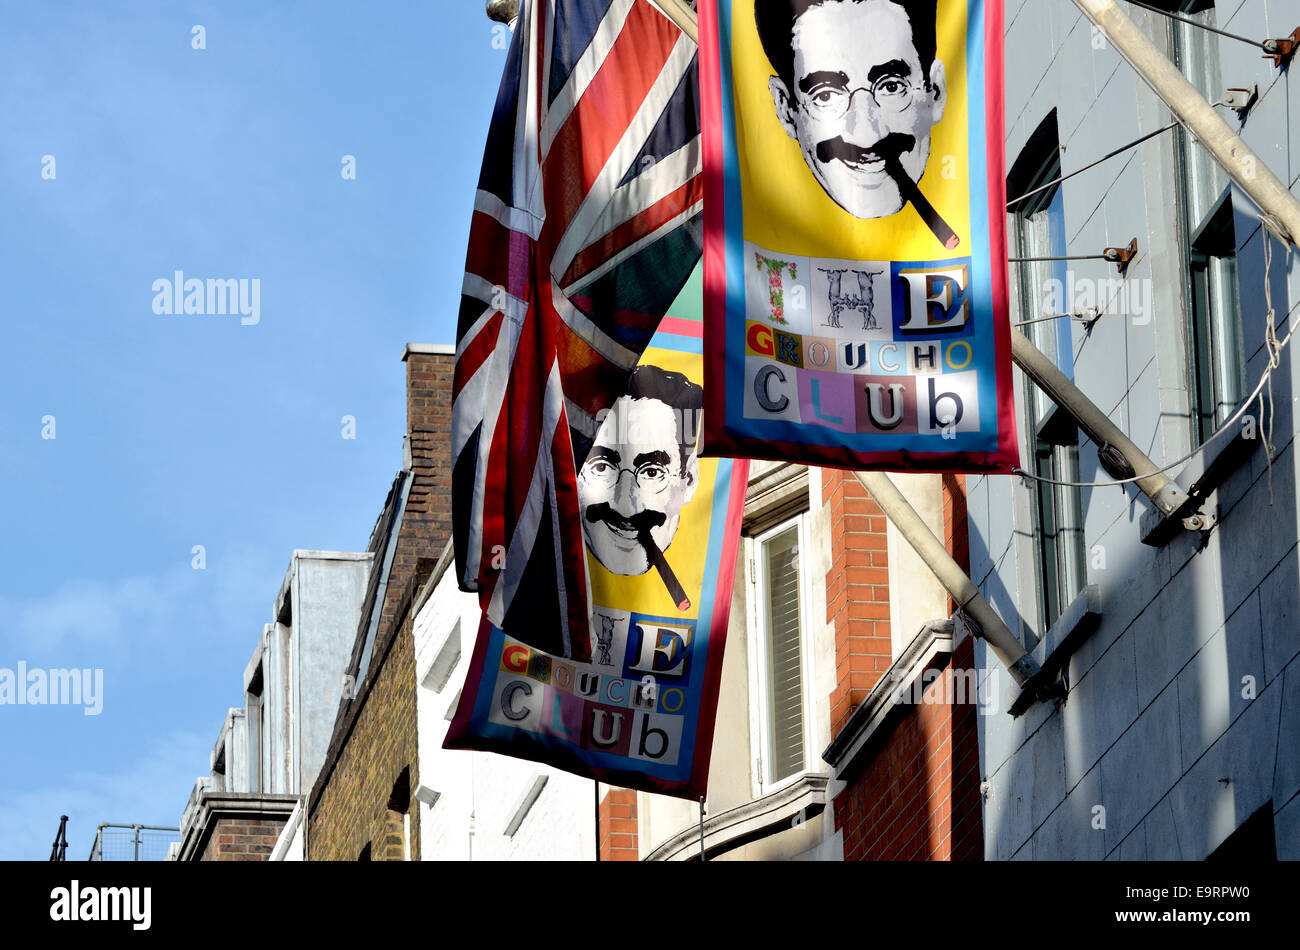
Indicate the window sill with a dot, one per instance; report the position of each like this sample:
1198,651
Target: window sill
783,809
1202,474
1075,625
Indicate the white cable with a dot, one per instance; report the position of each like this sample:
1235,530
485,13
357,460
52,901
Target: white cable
1274,360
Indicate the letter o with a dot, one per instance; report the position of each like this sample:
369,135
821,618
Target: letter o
663,700
948,355
819,354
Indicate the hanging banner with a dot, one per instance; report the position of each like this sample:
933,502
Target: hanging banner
661,528
855,234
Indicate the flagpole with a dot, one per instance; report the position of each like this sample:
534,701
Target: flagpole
949,573
681,14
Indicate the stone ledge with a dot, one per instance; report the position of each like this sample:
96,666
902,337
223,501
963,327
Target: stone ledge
1200,476
872,722
1076,624
213,806
785,808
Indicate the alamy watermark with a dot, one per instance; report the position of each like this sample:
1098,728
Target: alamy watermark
215,296
53,687
947,687
1117,296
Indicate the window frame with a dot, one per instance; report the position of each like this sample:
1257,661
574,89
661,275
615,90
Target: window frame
1213,350
1051,433
757,637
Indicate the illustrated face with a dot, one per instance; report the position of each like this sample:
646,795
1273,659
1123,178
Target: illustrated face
633,481
858,79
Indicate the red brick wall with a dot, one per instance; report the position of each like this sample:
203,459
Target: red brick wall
857,592
618,826
242,839
918,800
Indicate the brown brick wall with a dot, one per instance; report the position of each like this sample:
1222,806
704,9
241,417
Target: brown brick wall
426,524
918,800
618,826
352,809
857,592
242,839
352,802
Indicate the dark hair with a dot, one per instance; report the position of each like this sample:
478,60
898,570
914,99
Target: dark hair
684,397
775,21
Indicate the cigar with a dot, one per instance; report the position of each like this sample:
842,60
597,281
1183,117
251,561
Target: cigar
665,572
911,193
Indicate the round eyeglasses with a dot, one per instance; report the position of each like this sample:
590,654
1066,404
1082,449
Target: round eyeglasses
892,95
650,477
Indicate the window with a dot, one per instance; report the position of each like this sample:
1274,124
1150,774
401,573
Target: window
779,613
1058,516
1037,230
1215,365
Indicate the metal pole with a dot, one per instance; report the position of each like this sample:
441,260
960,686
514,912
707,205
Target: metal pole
60,850
682,15
1247,171
702,858
1163,491
1002,641
136,830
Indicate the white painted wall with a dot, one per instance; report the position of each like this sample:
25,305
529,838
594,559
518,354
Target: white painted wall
479,792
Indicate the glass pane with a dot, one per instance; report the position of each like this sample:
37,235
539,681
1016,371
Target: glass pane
1195,52
1226,337
1043,287
781,625
1045,497
1070,545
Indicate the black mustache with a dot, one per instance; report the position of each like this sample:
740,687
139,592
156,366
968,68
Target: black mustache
640,522
890,147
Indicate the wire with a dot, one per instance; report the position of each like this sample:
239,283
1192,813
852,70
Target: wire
1055,316
1204,26
1043,260
1077,171
1275,349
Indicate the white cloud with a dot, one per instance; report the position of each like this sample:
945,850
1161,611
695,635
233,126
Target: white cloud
150,791
139,609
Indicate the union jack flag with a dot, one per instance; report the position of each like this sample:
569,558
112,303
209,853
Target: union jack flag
586,226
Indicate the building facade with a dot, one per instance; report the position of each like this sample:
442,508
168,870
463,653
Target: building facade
479,806
270,750
361,806
1175,648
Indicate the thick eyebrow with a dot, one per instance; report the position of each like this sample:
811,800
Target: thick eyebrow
604,452
895,67
658,457
823,77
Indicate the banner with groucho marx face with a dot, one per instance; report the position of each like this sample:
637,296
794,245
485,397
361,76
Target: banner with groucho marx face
661,527
855,240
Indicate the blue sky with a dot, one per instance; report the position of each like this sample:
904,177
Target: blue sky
176,431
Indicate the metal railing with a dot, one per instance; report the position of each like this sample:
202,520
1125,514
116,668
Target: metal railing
60,850
132,842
